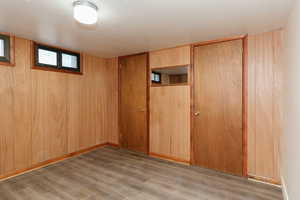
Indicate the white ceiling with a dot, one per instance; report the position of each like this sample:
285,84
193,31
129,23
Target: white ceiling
131,26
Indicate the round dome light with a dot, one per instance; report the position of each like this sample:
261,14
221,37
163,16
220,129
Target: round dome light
85,12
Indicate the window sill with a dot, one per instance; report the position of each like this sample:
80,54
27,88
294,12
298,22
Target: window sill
7,64
168,85
55,70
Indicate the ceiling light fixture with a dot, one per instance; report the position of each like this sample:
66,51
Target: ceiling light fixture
85,12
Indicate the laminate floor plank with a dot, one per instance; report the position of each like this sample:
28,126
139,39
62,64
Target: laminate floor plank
114,174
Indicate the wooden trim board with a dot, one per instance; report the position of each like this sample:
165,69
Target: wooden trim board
192,106
112,144
155,155
245,105
148,74
137,54
168,85
265,180
240,37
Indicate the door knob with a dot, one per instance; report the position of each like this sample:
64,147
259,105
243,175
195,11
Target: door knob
197,113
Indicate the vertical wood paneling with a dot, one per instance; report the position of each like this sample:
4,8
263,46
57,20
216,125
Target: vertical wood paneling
45,115
7,138
56,115
170,122
87,102
170,57
99,113
38,115
22,106
112,90
74,112
264,104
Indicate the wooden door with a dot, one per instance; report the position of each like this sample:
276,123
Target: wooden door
133,102
217,140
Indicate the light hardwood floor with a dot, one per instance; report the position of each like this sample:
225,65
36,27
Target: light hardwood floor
113,174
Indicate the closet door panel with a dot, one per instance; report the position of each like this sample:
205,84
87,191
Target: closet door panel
133,102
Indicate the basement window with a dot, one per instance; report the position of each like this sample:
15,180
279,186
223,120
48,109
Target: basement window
4,48
70,61
47,57
156,77
55,59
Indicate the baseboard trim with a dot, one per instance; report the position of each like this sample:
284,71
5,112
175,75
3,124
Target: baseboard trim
52,161
160,156
284,189
265,180
113,144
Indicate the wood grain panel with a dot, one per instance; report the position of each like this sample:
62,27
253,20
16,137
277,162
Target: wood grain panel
170,122
56,115
87,106
133,102
264,100
15,152
47,115
170,57
112,126
38,115
22,106
218,135
7,138
74,112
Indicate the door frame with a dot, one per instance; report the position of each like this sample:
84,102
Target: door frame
147,98
244,39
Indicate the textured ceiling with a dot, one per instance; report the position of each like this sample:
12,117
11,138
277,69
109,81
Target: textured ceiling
131,26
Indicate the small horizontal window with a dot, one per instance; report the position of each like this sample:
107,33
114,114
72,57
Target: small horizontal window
1,48
46,57
4,48
156,77
69,61
56,59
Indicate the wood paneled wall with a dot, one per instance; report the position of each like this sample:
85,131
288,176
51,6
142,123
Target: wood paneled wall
264,100
170,57
264,104
170,122
45,115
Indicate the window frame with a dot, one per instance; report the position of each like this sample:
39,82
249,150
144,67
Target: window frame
47,48
9,51
58,67
156,73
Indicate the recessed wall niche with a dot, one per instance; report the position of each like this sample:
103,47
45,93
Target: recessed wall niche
178,75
